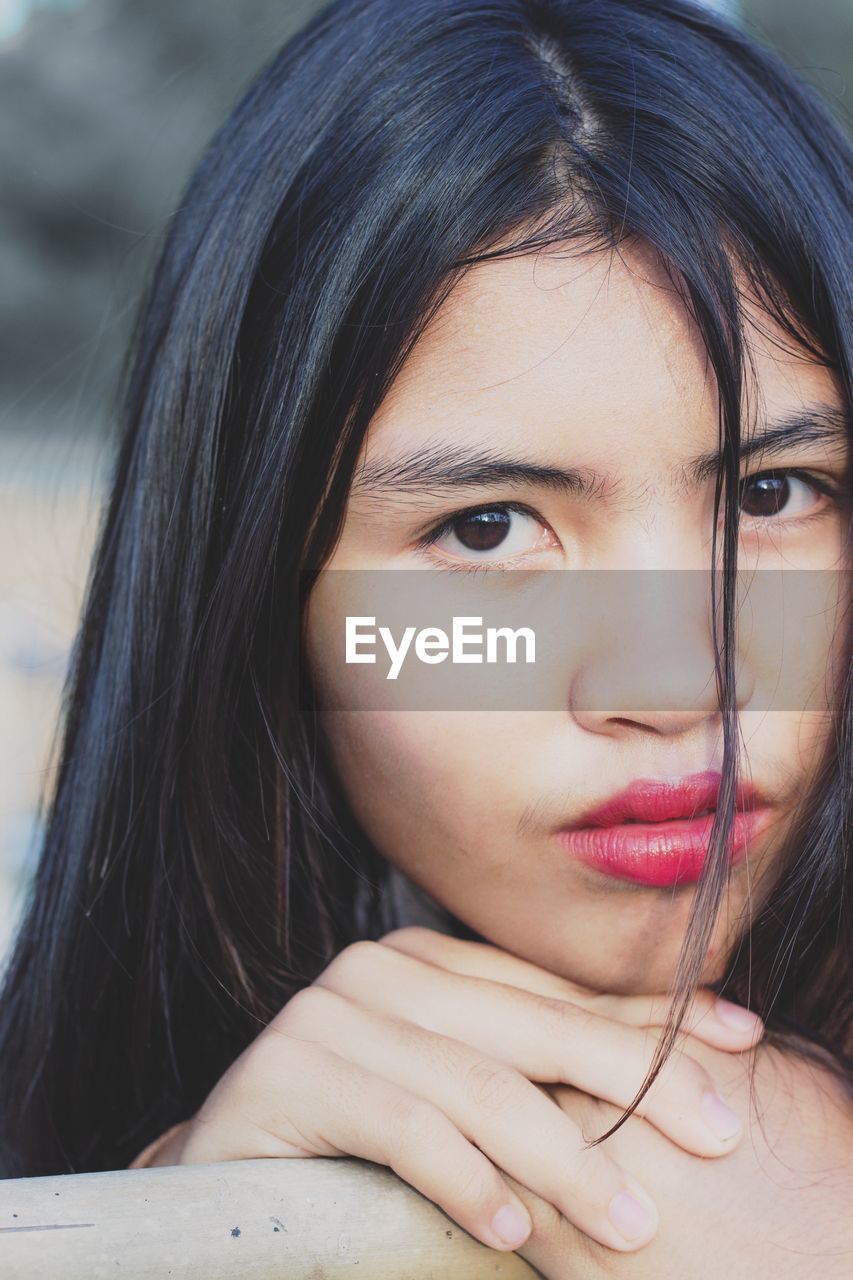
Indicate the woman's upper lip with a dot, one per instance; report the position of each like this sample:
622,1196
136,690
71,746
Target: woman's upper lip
662,799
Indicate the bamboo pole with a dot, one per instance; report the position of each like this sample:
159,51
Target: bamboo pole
304,1219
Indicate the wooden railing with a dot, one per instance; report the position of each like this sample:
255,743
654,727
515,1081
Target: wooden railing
316,1219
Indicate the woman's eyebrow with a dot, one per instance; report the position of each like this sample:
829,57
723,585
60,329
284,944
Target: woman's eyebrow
822,424
455,466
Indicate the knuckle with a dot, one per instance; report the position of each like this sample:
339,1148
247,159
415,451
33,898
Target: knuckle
696,1077
566,1016
305,1010
410,1120
414,937
585,1164
571,1025
356,963
475,1185
492,1085
684,1077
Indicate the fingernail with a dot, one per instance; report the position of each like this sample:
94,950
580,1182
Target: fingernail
510,1226
719,1118
633,1213
735,1016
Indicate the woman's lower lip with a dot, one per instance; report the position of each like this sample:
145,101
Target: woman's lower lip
659,854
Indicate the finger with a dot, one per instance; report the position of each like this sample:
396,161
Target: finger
709,1018
391,1125
345,1109
510,1120
717,1022
481,960
554,1041
554,1239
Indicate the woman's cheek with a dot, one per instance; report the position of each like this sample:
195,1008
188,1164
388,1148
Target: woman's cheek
406,774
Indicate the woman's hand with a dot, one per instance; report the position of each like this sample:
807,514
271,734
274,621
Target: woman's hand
422,1052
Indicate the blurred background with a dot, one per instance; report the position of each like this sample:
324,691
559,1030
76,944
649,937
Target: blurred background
105,106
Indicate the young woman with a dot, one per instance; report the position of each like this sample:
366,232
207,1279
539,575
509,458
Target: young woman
490,290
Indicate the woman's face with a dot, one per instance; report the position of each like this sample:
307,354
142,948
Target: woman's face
588,365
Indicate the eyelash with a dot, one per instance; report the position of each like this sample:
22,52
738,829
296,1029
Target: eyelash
446,526
823,486
834,492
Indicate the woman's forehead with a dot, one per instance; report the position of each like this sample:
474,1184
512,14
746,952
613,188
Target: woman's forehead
593,352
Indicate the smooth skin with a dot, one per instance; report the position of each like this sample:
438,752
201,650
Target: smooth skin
778,1206
444,1059
590,364
409,1051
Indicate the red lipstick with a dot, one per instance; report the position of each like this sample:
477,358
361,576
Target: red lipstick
656,831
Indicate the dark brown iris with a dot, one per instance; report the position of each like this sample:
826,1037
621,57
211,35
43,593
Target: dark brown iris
765,496
483,530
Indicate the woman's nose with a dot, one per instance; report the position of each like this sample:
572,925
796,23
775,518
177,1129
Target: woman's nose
649,662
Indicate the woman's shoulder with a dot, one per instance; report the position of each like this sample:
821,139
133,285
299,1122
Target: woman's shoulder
797,1110
779,1204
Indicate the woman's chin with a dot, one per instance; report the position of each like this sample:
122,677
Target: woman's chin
622,970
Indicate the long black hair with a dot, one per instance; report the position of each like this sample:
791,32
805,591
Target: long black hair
199,862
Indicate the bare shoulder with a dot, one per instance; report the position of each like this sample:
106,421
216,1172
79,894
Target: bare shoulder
779,1204
796,1110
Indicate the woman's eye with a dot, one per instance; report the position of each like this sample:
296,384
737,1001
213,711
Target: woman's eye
489,533
777,494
